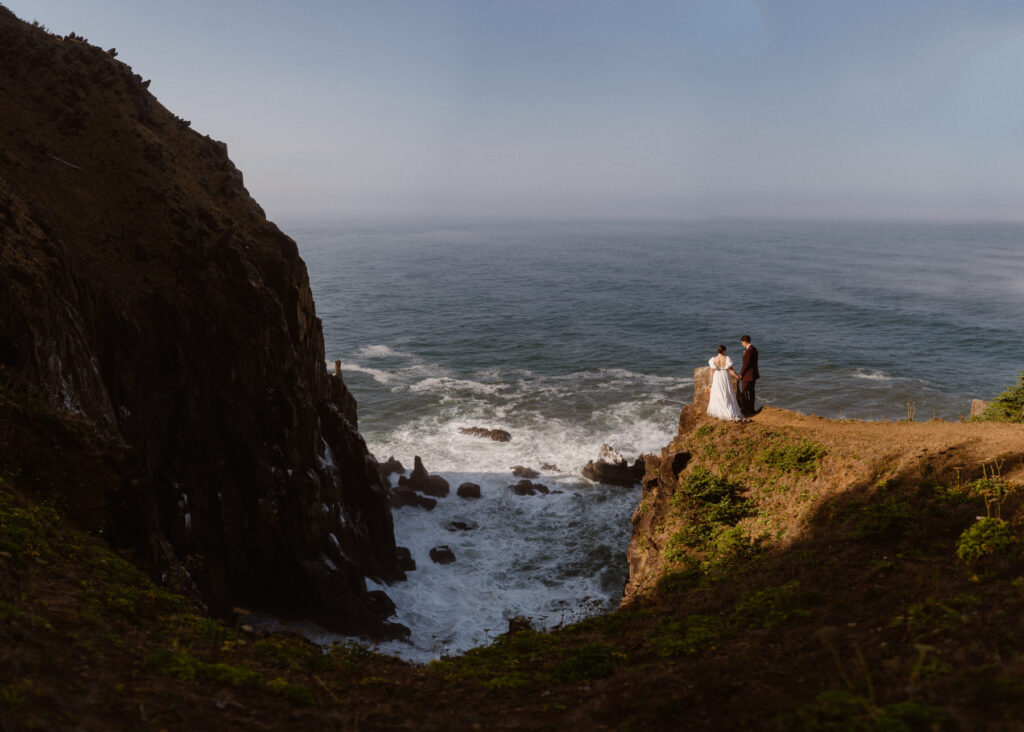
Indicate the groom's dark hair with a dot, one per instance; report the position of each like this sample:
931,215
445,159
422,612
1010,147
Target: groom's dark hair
745,339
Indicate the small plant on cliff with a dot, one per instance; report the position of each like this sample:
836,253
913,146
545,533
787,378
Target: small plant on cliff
992,487
715,499
986,537
1007,407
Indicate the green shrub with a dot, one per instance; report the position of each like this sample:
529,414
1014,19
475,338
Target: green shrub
715,499
985,537
688,635
1007,407
799,457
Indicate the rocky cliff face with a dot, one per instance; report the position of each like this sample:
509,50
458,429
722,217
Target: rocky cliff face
144,290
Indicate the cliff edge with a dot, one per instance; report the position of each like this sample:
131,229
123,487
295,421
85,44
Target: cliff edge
143,291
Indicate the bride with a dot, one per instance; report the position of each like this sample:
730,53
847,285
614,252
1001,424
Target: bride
722,403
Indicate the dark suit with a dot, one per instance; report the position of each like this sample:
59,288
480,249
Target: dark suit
748,376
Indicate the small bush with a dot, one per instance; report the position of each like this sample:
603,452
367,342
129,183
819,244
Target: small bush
985,537
1008,406
295,693
715,499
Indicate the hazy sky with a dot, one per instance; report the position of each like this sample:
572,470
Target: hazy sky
576,108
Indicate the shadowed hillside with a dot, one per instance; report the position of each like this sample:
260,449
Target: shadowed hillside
143,291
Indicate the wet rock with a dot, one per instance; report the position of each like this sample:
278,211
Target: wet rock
551,468
442,555
405,560
496,435
391,466
521,471
613,469
528,488
407,497
457,525
468,490
420,480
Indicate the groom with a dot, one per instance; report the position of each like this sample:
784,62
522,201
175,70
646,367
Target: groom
748,376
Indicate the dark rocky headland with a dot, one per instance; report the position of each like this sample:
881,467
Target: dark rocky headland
143,291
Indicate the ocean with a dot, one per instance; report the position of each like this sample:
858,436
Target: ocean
572,335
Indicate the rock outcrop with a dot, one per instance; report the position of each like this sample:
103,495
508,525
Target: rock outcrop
613,469
468,490
521,471
442,555
496,435
144,290
528,488
420,480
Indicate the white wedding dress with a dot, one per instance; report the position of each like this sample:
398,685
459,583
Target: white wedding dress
723,404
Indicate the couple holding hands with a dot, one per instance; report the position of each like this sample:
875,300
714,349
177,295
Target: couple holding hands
722,402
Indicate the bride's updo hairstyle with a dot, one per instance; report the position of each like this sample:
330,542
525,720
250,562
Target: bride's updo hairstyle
721,349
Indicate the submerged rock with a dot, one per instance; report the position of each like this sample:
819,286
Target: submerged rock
405,559
462,525
469,490
551,468
521,471
442,555
496,435
420,480
528,488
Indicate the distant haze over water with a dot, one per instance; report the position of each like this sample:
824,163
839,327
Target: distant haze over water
570,335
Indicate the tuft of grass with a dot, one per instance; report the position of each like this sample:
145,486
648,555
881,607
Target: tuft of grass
686,635
772,606
800,457
592,661
182,665
841,709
